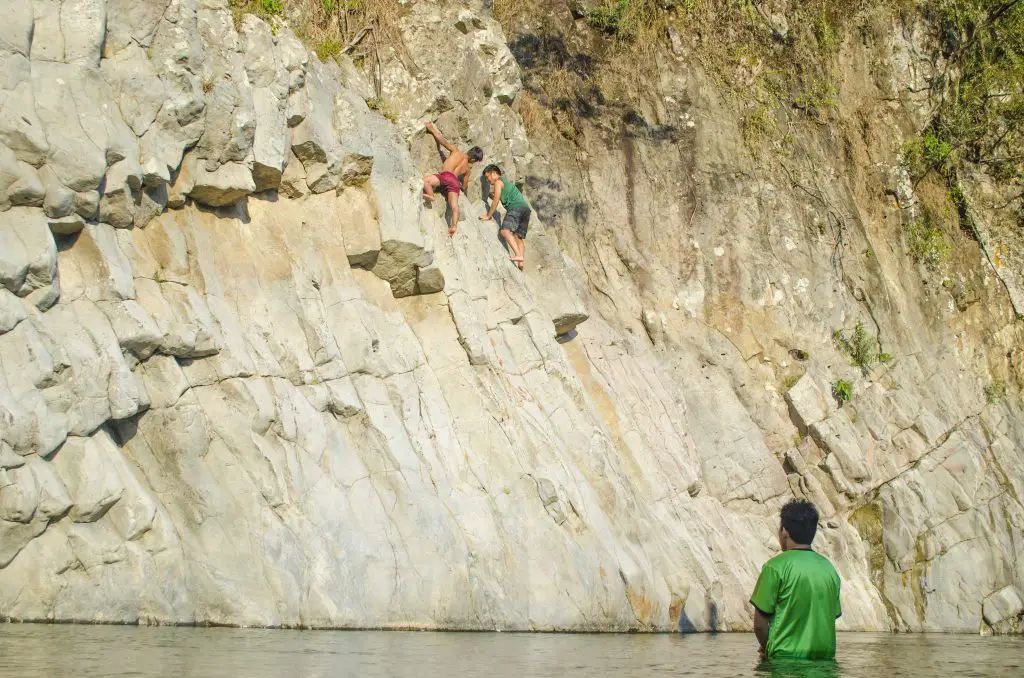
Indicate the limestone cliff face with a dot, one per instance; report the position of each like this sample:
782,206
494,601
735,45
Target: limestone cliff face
247,378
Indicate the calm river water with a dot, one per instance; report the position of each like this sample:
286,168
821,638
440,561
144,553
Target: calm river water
32,650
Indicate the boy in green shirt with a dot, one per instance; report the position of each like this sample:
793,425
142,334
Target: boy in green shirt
517,213
796,599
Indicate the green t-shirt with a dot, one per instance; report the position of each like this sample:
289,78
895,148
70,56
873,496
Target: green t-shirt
511,198
800,589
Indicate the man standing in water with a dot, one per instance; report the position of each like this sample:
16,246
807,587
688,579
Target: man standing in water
796,599
452,177
517,213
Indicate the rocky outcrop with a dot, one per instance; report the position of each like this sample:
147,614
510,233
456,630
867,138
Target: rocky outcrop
247,378
1003,605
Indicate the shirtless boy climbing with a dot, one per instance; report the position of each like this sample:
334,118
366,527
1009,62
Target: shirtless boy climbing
452,177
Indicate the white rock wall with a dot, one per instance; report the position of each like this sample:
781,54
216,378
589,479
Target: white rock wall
247,379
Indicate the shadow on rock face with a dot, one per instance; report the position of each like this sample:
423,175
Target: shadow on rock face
553,201
237,210
65,242
685,625
635,126
547,50
538,53
485,188
565,339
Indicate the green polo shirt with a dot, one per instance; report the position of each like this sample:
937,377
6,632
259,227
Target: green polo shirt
800,590
511,198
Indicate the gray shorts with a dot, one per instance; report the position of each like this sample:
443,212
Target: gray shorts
516,220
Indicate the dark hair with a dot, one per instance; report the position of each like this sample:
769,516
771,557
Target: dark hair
800,520
492,168
476,154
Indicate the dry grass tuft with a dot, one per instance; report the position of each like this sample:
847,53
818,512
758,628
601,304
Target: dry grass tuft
536,118
329,26
383,107
507,11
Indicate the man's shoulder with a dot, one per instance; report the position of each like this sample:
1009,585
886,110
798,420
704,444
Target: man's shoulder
787,558
830,566
778,559
823,560
823,565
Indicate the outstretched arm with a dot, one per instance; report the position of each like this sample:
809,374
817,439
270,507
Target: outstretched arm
495,196
447,145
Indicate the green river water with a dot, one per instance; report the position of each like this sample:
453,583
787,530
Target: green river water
52,651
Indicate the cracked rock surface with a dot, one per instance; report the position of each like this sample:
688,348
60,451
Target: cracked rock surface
246,378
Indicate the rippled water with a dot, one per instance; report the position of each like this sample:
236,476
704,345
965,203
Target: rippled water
28,650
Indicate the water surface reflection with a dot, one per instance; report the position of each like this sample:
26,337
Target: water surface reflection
35,651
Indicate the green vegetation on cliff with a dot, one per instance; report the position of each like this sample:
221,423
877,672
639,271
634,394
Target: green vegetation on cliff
842,391
926,242
980,101
774,57
979,87
766,58
863,348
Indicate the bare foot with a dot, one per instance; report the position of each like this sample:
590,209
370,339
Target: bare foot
520,265
451,231
515,259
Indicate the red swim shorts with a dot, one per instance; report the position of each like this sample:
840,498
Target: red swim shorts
449,183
